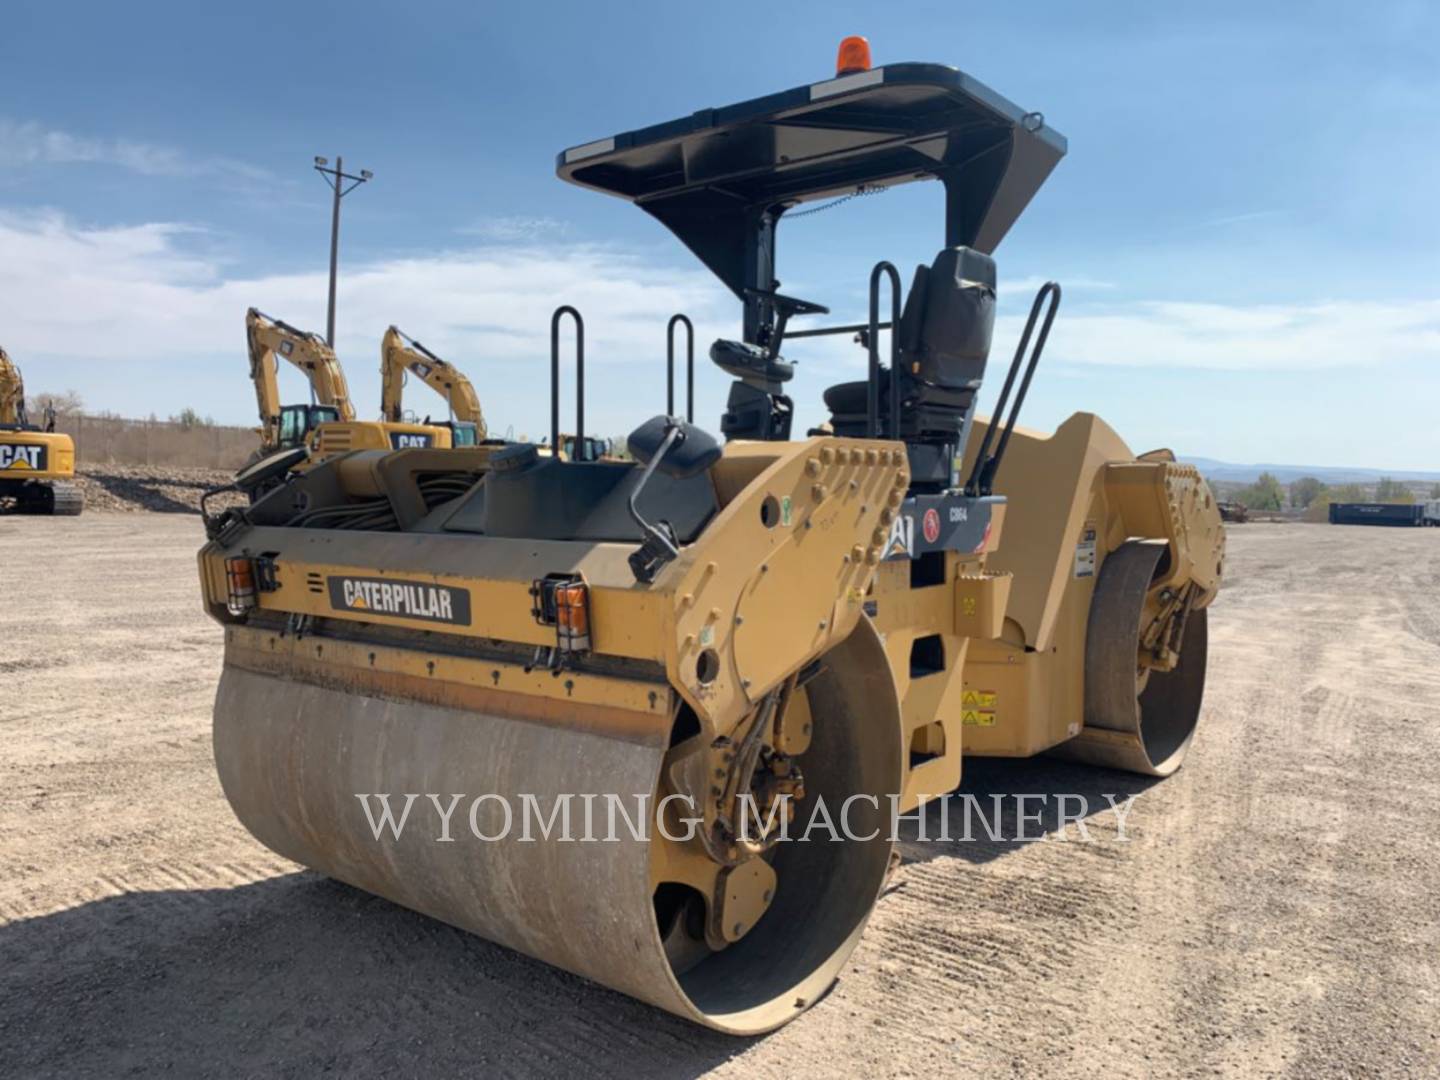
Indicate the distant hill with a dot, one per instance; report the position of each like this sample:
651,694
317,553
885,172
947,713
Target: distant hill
1329,474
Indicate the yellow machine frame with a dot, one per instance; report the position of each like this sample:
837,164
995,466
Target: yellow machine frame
778,624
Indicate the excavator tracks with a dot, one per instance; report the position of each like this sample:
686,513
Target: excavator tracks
51,499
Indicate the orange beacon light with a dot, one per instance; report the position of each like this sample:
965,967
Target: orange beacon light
854,56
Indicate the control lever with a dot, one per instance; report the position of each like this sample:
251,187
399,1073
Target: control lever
660,545
680,450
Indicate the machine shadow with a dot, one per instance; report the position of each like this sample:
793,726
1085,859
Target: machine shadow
1056,793
300,974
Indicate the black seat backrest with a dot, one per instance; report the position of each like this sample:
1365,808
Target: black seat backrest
949,318
944,342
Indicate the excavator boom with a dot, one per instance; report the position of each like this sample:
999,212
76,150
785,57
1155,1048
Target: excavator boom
400,354
270,338
12,392
329,425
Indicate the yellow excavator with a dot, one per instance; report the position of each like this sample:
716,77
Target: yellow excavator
327,425
37,465
401,356
727,667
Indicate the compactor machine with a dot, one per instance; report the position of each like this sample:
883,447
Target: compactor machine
37,463
327,425
723,645
402,356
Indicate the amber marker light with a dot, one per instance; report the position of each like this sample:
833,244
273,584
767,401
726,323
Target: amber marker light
854,56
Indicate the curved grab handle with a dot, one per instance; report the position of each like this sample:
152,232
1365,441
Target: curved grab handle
872,399
680,320
560,313
982,474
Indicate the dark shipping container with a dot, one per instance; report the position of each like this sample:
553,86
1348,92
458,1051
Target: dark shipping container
1377,514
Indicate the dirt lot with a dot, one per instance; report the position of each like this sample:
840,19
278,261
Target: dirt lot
1273,914
157,489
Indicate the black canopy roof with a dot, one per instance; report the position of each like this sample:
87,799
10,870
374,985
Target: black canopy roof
721,176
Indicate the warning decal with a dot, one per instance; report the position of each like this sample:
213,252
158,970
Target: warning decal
978,708
1085,552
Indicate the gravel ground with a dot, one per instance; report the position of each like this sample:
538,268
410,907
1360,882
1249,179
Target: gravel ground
1273,912
163,490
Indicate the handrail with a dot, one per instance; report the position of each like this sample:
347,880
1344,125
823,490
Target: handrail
680,320
982,473
872,396
560,312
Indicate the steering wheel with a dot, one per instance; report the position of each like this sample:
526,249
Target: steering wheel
788,305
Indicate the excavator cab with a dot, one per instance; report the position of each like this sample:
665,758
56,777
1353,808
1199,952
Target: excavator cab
297,422
587,448
462,432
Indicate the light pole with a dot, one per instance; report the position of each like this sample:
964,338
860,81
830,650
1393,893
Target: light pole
336,178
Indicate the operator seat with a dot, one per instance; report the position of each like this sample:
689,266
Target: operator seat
944,342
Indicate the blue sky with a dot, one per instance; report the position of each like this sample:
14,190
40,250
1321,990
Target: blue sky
1245,223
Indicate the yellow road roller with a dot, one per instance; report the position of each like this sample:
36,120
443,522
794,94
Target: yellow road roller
594,710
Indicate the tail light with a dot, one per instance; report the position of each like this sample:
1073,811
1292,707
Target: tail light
240,584
245,578
572,604
563,601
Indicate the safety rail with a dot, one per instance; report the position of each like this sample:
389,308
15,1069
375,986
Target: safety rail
560,313
872,342
680,320
982,474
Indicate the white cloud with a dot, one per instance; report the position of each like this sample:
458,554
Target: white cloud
516,229
29,143
1360,335
141,318
1027,287
95,307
